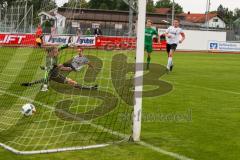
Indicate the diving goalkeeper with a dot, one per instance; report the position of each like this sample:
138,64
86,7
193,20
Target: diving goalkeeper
53,72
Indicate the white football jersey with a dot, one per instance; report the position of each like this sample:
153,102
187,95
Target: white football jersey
79,62
175,35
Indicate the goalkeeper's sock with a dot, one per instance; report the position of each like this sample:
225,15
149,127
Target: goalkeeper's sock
86,87
38,81
148,62
33,83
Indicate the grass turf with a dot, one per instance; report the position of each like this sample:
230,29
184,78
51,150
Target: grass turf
199,118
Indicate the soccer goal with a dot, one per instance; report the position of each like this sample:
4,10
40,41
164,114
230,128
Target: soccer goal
84,80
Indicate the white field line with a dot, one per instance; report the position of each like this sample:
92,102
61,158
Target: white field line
124,136
162,151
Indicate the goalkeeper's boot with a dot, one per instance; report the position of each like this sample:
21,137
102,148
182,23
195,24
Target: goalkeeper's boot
43,68
26,84
44,88
94,87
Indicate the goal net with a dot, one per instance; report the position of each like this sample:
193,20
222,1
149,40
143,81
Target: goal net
69,116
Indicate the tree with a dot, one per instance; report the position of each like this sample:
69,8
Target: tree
220,11
108,4
150,6
103,6
168,4
226,14
236,13
76,4
3,3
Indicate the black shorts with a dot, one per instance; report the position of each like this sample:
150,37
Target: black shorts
56,76
69,65
171,47
59,78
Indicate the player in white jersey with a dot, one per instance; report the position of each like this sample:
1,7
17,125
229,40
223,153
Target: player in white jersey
77,62
175,35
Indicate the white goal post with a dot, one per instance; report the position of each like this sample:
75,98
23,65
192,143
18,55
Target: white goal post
139,70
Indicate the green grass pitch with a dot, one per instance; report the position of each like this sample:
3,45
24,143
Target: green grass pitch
198,118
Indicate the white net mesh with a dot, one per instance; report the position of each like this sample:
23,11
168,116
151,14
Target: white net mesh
67,117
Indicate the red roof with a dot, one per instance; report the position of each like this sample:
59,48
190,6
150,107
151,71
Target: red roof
162,10
198,18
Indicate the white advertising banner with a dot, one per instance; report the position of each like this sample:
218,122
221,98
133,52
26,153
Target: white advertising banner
56,40
223,46
84,40
76,40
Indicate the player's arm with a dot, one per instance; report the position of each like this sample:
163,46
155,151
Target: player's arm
183,37
167,33
64,46
62,68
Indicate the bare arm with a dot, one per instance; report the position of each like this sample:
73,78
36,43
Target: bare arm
168,35
62,68
183,37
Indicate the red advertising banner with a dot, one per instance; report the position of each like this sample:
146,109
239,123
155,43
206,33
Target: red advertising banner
17,39
110,43
104,42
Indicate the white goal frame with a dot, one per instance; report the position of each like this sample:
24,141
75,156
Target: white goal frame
136,128
137,113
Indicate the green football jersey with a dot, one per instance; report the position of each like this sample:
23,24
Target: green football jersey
149,33
53,61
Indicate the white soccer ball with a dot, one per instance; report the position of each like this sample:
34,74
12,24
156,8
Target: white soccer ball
28,109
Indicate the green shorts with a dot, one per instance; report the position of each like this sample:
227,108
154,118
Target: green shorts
148,48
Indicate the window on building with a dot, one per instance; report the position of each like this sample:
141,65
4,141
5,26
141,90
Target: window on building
215,20
118,26
75,24
95,25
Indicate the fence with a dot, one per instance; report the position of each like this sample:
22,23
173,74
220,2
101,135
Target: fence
17,18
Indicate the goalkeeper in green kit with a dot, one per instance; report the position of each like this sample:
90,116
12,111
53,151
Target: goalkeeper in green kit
149,33
52,72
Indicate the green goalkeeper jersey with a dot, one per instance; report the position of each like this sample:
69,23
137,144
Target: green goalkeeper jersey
149,33
53,61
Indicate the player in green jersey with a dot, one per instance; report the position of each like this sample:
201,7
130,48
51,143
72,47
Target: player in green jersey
149,33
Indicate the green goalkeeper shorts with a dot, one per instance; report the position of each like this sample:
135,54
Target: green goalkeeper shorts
148,48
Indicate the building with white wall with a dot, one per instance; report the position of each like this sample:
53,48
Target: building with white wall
212,20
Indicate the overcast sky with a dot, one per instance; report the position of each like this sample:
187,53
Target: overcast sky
195,6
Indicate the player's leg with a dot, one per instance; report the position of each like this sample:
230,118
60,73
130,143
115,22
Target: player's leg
76,85
33,83
64,80
149,51
171,50
170,60
168,52
148,59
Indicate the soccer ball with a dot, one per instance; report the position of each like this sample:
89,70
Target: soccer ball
28,109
